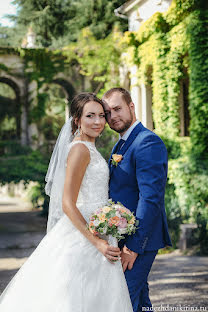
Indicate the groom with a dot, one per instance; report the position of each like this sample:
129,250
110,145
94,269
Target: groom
138,182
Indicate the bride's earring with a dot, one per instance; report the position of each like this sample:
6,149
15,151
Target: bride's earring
78,131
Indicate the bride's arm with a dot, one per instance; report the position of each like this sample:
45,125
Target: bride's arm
77,162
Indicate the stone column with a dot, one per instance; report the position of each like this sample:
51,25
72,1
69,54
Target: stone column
35,139
24,124
136,93
146,98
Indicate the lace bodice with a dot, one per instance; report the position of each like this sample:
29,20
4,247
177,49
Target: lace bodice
93,191
94,188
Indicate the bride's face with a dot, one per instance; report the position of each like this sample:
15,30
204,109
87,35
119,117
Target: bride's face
93,120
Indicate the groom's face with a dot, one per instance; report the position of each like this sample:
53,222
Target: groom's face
119,114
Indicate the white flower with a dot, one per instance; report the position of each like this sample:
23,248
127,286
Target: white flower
118,214
96,222
121,230
117,206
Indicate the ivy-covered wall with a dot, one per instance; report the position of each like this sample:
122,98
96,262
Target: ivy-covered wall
175,44
87,65
40,66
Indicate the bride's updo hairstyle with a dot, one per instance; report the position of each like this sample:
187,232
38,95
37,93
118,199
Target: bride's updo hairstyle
77,106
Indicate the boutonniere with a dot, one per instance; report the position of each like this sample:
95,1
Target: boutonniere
116,158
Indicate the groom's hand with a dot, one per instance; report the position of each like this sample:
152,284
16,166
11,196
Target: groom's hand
128,258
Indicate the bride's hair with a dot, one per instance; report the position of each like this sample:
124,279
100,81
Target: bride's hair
78,104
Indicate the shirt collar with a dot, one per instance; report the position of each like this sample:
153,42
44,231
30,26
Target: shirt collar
128,132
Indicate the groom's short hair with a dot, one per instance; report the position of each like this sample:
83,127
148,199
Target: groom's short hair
125,94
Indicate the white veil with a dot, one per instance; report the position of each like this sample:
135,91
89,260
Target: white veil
56,174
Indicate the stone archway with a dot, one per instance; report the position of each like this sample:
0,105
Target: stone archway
58,94
70,92
27,71
15,103
66,85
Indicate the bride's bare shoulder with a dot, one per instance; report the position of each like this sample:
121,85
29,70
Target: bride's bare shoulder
79,151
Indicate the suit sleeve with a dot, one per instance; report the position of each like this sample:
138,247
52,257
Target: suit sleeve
151,175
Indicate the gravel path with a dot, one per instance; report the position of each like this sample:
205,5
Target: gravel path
177,282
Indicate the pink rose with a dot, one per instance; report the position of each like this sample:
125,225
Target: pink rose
122,223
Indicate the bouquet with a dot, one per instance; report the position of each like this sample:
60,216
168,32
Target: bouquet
113,219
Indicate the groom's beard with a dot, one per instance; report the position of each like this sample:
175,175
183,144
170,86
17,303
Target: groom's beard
124,126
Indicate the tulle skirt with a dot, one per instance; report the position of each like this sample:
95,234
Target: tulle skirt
66,273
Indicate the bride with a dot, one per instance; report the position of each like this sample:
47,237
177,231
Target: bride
72,270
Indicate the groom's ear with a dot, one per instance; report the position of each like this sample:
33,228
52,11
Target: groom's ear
132,108
131,105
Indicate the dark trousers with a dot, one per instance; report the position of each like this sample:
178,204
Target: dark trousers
137,280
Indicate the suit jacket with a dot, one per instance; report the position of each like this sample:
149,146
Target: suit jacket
138,182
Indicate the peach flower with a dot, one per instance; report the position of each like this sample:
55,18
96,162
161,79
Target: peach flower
106,209
114,220
102,217
117,158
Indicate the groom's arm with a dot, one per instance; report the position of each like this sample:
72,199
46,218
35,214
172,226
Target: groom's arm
151,174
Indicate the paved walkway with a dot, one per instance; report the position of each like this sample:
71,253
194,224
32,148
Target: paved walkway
20,232
177,283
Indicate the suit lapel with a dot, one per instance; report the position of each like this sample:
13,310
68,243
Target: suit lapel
109,162
131,138
127,144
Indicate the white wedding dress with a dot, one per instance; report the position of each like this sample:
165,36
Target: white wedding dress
66,273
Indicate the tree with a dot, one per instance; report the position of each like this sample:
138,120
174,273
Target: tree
47,18
98,15
6,34
59,22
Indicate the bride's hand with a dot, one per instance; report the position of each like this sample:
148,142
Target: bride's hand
110,252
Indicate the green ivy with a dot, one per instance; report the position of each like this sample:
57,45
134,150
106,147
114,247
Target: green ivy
40,65
96,59
169,47
198,54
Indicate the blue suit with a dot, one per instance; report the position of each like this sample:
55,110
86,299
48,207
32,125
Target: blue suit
138,182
